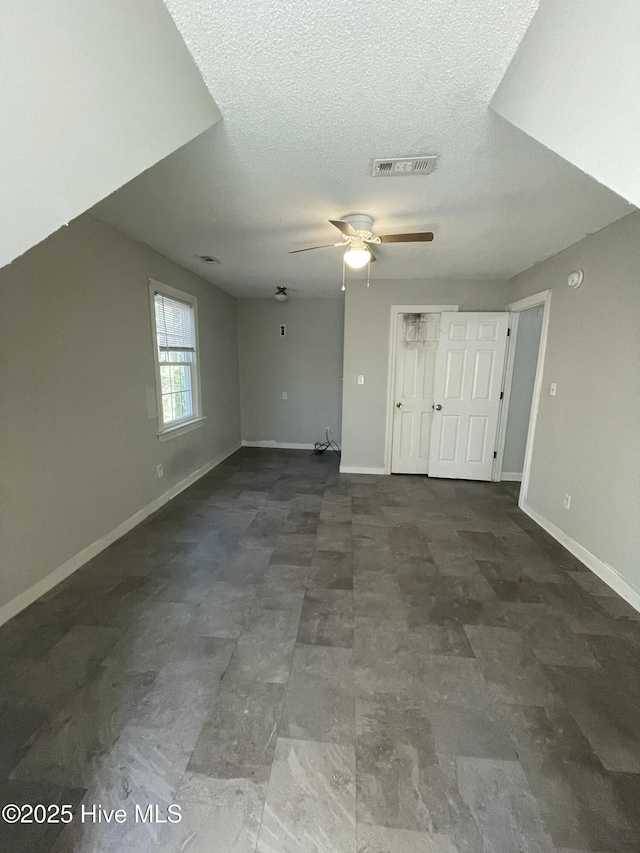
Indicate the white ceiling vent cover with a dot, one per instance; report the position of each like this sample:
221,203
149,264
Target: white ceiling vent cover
404,166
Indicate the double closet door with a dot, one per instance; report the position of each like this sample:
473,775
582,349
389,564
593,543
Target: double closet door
447,389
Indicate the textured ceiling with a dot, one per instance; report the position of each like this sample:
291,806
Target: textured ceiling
311,93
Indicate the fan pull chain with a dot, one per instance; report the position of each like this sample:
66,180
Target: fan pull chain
368,272
344,267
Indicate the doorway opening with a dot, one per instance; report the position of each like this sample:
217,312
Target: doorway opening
529,320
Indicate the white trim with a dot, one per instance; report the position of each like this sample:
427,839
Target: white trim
537,390
510,477
529,301
391,370
604,571
284,445
355,469
189,426
13,607
507,380
542,298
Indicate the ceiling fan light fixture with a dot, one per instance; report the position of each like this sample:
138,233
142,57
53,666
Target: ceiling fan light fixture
357,258
281,294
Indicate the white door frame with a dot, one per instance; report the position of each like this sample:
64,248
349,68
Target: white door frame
393,335
515,308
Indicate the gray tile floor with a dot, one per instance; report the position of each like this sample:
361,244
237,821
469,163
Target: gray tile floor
308,662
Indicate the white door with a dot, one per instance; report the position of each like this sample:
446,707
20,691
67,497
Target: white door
468,384
416,345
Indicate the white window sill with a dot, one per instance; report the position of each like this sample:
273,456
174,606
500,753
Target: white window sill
180,429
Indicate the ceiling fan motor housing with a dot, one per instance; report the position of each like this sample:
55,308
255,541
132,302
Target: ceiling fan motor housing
360,222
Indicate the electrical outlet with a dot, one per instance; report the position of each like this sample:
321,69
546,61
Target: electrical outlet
567,501
284,395
160,471
361,379
552,389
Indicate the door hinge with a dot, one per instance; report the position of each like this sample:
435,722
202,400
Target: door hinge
508,332
495,454
502,395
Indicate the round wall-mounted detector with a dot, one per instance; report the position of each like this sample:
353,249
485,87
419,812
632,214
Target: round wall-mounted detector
575,279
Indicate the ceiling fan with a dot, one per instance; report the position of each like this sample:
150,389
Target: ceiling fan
358,238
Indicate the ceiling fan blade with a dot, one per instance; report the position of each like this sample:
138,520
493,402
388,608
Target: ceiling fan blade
373,257
347,229
422,237
325,246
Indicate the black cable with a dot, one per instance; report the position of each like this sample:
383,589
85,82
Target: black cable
320,446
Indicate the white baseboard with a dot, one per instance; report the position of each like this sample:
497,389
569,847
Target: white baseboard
511,477
605,572
13,607
354,469
284,445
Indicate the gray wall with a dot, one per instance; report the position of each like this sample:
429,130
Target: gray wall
307,364
367,322
524,377
587,441
78,431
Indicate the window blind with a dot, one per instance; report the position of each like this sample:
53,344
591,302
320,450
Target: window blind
175,328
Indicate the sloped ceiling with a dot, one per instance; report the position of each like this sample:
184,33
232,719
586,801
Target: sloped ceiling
583,104
310,94
88,101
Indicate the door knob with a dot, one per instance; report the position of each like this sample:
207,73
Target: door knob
398,405
437,407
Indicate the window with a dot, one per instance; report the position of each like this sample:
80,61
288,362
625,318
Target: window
175,326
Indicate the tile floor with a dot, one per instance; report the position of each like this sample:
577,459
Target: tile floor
308,662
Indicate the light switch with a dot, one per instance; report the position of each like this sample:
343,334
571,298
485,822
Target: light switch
552,389
361,379
284,395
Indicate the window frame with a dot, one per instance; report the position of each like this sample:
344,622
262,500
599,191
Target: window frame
175,428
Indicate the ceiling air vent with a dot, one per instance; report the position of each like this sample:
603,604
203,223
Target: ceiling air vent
208,259
404,166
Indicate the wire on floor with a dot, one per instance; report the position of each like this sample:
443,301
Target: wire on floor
320,446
